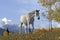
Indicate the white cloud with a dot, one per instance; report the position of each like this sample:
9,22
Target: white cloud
1,23
6,21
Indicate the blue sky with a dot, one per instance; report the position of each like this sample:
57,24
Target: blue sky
13,9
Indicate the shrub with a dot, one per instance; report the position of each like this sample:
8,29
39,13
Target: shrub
5,33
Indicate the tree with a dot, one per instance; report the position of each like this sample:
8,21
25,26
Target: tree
56,12
6,33
48,4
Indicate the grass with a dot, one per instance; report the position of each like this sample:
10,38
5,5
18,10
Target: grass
38,36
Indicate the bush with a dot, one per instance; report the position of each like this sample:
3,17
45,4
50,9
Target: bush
5,33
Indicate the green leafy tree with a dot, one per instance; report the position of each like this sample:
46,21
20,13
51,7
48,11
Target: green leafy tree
48,4
56,15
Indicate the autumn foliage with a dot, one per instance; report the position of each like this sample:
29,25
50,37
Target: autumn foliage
5,33
45,30
40,31
56,29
